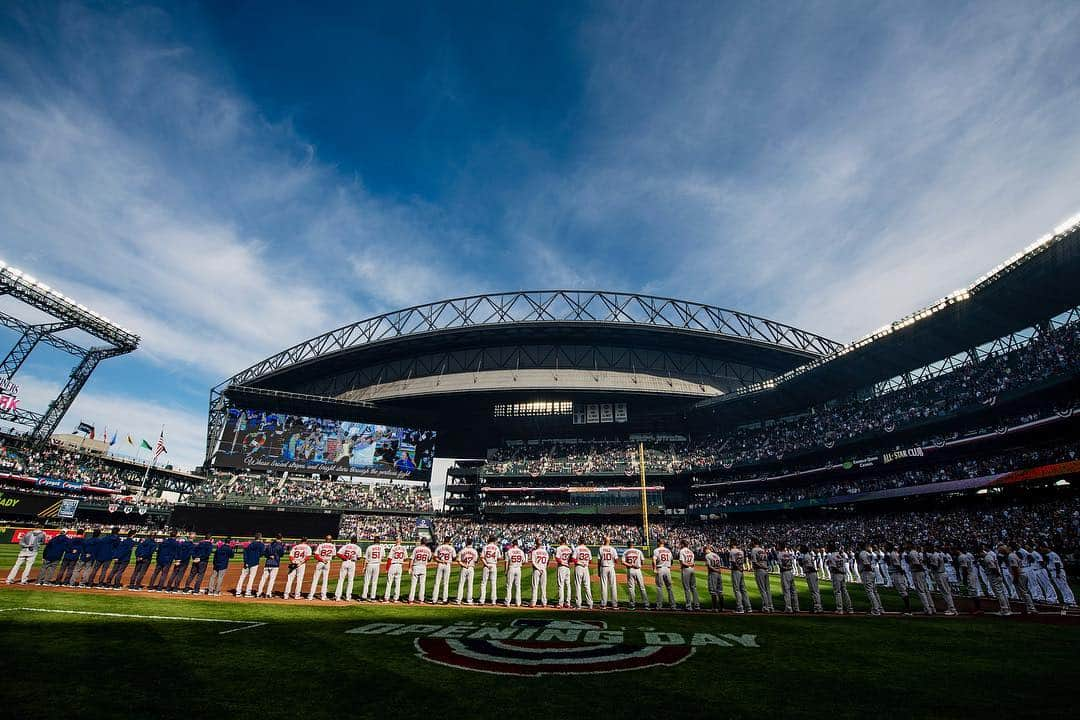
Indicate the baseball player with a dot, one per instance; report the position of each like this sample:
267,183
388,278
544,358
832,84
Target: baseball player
809,563
52,555
563,556
737,561
865,559
347,572
606,557
222,555
71,558
689,578
836,563
86,561
298,557
1042,577
444,563
200,560
253,552
490,574
991,565
421,556
396,559
274,550
916,561
786,559
1056,569
539,559
759,561
935,562
582,581
467,562
969,575
515,557
661,560
897,576
324,556
634,559
716,584
373,557
1019,578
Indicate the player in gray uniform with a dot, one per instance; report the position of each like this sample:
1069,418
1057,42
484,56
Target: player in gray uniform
716,581
737,561
689,577
1019,578
897,576
786,560
1056,569
808,563
935,562
836,564
865,560
991,565
661,559
759,560
917,564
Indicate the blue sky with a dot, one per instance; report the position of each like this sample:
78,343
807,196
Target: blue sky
230,178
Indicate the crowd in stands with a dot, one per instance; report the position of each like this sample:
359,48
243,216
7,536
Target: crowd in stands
59,463
582,458
322,493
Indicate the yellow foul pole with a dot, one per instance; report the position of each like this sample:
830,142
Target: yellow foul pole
644,497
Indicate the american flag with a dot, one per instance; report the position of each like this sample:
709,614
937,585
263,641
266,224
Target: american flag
160,447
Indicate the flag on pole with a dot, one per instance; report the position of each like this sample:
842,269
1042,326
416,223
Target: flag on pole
113,440
131,441
85,428
160,447
145,445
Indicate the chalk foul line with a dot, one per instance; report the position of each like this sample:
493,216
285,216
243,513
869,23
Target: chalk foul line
247,624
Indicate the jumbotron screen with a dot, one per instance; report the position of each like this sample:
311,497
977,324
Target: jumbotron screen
261,440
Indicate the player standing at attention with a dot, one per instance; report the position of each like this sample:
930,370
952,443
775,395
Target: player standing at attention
916,561
1056,569
1019,578
688,576
200,559
298,557
421,555
969,575
539,558
991,565
633,559
607,555
222,555
396,559
737,562
759,560
866,561
253,552
515,557
715,580
324,555
582,580
897,576
786,559
444,557
490,558
347,572
467,561
274,551
809,564
661,560
563,555
935,562
836,564
372,565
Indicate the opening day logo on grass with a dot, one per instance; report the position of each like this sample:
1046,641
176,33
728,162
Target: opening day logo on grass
534,647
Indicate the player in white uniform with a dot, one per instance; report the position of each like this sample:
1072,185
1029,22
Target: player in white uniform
444,559
373,557
582,579
539,559
633,559
1056,569
606,558
347,572
467,561
421,556
716,580
490,574
661,560
564,554
691,601
324,555
1042,577
515,558
398,555
298,557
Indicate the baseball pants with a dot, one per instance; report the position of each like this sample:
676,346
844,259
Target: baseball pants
815,589
635,581
787,587
67,568
465,583
562,579
322,572
689,588
371,581
764,586
583,585
608,586
345,577
137,575
971,582
418,578
738,588
442,583
100,572
1048,590
393,582
513,584
176,577
923,591
217,580
159,577
49,570
870,586
997,587
840,592
1025,593
296,575
1062,582
539,587
489,575
195,576
1033,585
946,591
248,573
116,573
663,582
268,580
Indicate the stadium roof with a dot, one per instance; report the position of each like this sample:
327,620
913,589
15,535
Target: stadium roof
1029,288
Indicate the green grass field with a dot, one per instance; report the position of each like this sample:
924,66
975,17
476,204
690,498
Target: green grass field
303,662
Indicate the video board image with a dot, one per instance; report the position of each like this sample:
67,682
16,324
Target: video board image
256,439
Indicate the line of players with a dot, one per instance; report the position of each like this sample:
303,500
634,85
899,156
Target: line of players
182,563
